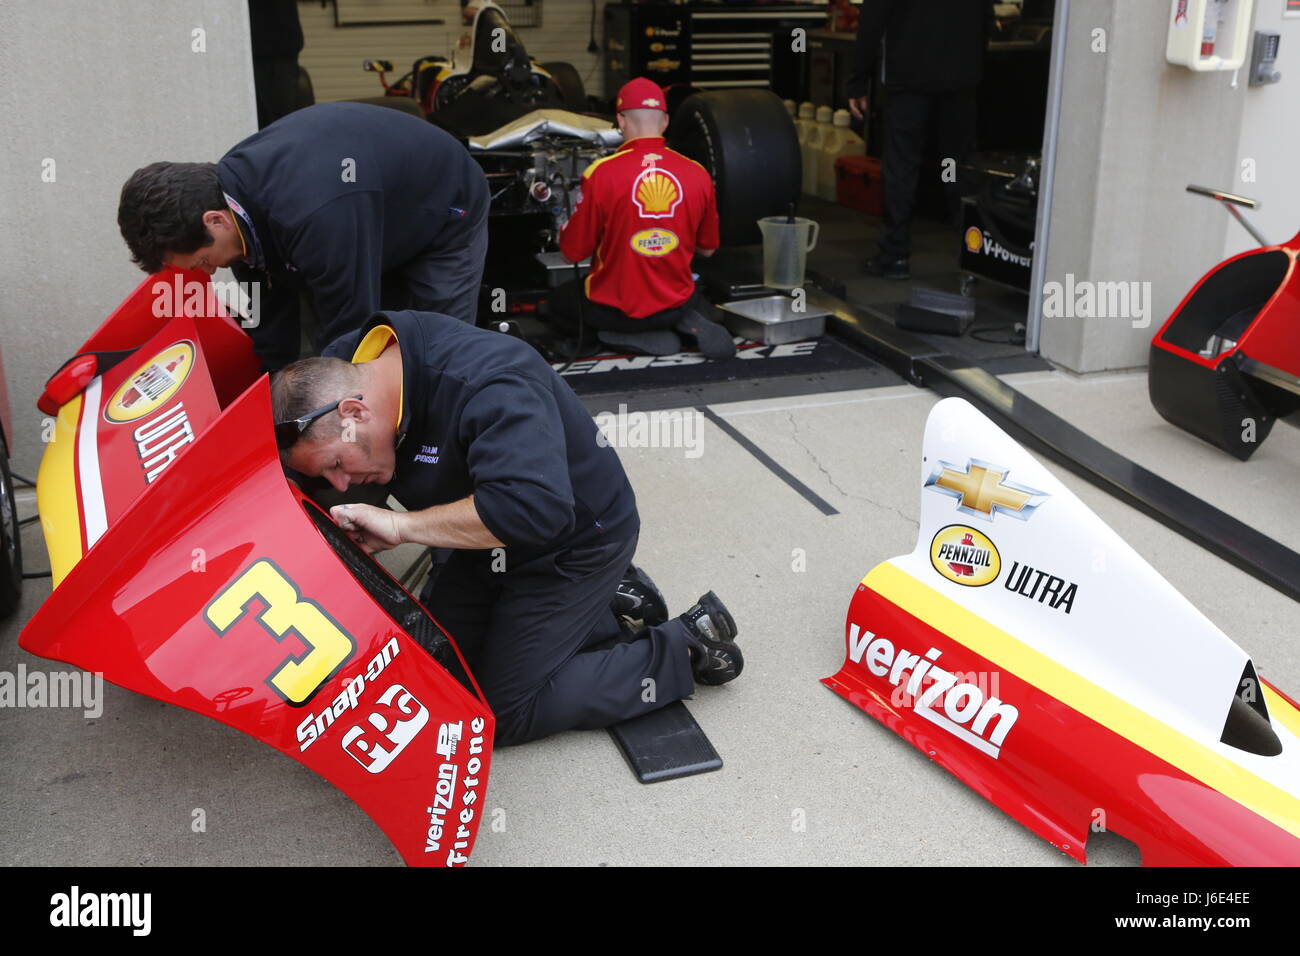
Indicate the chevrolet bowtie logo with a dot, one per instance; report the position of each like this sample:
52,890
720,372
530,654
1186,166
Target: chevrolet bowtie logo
982,489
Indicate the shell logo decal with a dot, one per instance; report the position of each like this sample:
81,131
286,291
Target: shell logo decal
656,193
965,556
653,242
152,384
974,239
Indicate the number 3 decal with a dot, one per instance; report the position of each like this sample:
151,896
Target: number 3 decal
297,679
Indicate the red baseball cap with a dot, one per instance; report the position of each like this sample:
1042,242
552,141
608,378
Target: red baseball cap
640,94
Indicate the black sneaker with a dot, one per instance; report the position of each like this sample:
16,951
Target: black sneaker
712,338
715,656
888,267
655,342
637,599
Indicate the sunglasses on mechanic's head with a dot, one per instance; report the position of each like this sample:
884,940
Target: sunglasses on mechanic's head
287,433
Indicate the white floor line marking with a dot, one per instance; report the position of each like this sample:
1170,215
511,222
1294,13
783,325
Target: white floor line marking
911,393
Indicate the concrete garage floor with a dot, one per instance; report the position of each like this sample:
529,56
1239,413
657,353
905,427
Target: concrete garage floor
808,779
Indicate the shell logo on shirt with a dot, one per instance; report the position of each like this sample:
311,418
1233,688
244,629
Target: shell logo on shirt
656,193
653,242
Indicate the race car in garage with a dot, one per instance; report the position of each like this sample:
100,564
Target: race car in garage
188,568
527,124
1030,651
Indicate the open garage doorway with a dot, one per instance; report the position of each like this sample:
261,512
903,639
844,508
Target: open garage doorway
976,219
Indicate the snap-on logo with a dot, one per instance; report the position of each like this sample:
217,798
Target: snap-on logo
960,708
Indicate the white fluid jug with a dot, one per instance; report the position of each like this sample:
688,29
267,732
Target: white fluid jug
835,142
811,147
786,244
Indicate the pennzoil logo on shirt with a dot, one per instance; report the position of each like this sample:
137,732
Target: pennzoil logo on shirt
965,556
656,193
151,385
653,242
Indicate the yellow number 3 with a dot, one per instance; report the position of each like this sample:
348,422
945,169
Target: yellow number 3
298,678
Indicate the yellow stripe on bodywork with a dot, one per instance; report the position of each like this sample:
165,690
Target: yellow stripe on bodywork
997,646
56,494
1280,709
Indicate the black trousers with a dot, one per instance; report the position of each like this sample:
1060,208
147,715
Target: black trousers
275,85
908,118
568,298
543,644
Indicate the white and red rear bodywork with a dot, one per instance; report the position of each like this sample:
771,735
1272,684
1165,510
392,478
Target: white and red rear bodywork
186,567
1080,694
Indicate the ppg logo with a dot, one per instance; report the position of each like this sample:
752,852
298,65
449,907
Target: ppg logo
394,720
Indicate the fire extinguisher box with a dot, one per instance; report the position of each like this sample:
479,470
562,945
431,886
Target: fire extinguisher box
857,184
1208,34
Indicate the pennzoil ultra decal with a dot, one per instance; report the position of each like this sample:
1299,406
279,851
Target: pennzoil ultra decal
1041,586
982,489
152,384
965,556
653,242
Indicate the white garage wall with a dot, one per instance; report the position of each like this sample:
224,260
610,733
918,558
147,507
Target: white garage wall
1134,131
1271,137
99,89
333,55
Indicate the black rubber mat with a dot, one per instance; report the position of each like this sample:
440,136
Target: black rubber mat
758,371
664,744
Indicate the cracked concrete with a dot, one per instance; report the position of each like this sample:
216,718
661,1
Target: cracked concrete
808,779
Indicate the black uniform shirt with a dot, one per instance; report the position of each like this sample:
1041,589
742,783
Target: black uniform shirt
340,193
931,46
484,414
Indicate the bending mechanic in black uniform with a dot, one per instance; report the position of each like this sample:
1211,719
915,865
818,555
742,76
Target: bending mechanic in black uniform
365,207
488,448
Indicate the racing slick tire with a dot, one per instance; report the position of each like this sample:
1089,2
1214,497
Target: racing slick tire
11,548
303,94
747,142
569,81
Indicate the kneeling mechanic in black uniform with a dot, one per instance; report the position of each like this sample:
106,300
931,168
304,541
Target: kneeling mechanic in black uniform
488,448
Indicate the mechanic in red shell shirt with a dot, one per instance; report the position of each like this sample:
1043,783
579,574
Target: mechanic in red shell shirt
644,212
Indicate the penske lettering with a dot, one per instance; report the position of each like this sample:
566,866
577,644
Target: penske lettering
442,814
160,439
635,363
961,709
314,725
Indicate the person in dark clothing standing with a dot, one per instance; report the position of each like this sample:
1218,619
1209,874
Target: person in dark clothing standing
933,62
493,455
363,207
277,40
